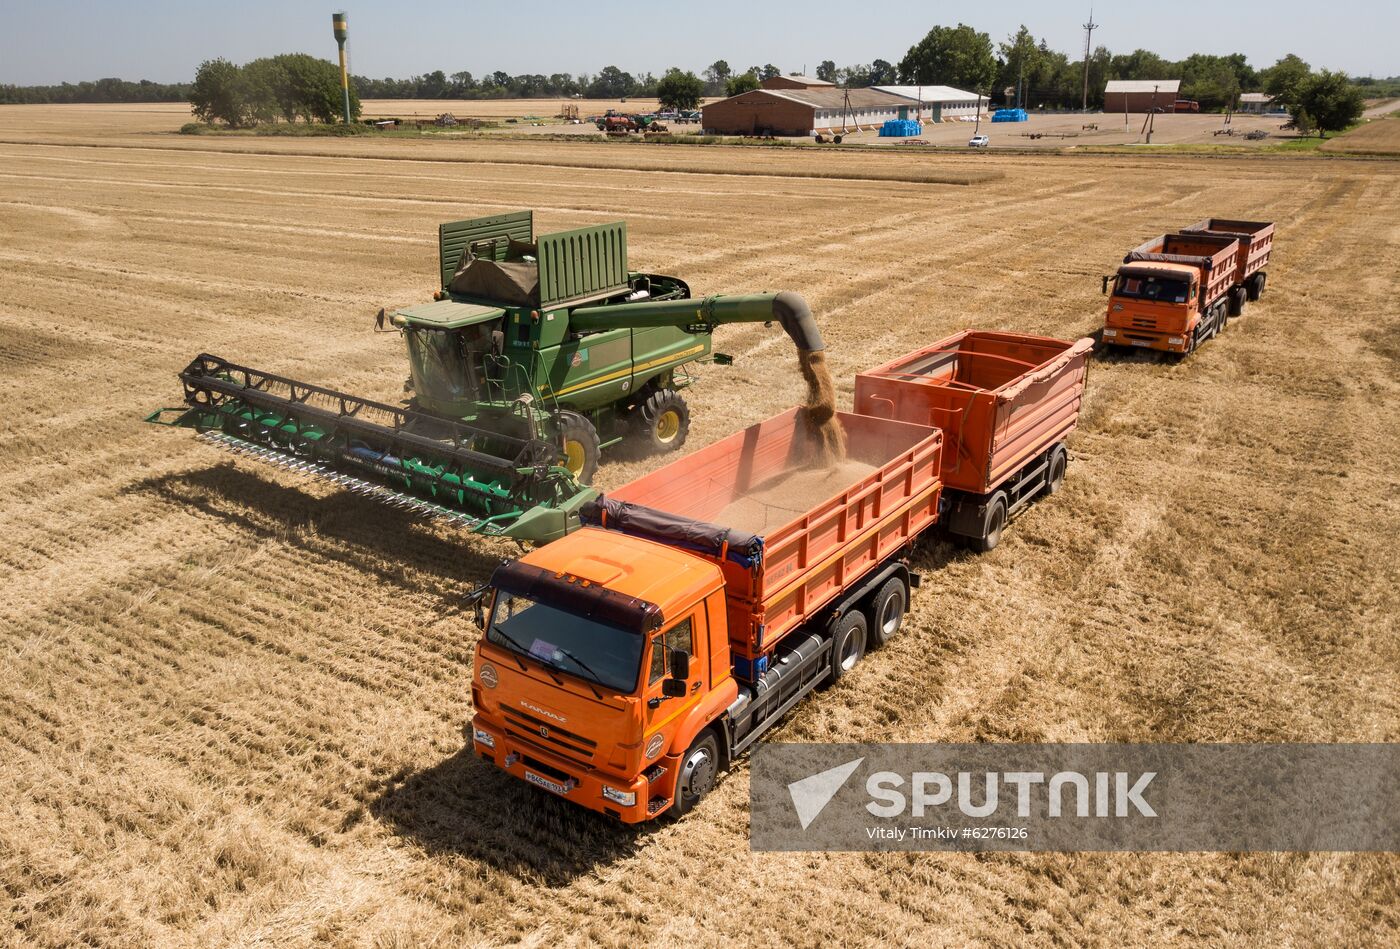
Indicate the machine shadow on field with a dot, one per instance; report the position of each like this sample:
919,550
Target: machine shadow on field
465,807
392,545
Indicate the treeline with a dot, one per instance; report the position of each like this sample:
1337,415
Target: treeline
289,87
103,90
609,83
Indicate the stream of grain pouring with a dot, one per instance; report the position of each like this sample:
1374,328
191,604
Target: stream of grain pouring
818,415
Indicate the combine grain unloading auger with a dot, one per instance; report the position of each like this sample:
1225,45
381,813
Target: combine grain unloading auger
484,481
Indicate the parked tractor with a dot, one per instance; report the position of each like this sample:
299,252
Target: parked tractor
536,354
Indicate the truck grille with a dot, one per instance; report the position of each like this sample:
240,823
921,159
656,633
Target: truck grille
548,735
1144,323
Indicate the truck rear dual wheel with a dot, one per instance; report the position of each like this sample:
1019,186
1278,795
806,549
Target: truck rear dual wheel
848,644
662,420
1055,476
887,611
1255,287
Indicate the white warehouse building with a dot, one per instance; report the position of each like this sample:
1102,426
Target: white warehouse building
938,102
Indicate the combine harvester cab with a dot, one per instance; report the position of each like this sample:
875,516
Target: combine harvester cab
1177,291
1005,403
626,664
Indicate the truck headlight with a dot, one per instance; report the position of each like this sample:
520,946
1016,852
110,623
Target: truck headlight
625,798
1176,340
485,737
1110,332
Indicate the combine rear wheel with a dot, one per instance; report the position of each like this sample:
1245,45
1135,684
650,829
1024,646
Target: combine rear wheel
663,420
579,441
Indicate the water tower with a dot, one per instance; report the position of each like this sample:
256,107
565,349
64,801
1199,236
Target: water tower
339,21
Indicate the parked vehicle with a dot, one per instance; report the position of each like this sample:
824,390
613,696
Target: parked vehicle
626,664
1176,291
1005,403
1186,106
979,141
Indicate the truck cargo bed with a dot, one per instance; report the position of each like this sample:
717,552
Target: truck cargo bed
1256,242
822,529
1000,399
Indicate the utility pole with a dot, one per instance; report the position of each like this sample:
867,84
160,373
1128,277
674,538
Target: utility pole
1020,71
977,125
1152,116
1088,37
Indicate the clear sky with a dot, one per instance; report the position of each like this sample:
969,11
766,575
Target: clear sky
50,41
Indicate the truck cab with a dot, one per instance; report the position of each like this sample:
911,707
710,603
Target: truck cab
1153,306
604,656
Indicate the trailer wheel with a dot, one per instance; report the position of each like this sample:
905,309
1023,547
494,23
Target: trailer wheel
1235,301
578,440
699,767
663,420
1255,287
848,644
992,527
1055,476
887,611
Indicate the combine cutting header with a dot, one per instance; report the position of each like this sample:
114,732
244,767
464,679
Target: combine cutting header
536,353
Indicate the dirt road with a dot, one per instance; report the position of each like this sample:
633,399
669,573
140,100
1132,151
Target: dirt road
231,701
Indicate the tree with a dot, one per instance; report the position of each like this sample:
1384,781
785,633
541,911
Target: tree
1283,79
679,90
1019,60
742,83
1328,102
217,94
953,56
827,71
611,83
883,73
716,75
1140,64
770,72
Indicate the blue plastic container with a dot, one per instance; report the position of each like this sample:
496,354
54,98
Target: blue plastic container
1009,115
900,128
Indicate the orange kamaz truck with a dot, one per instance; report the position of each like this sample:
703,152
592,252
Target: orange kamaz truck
625,664
1176,291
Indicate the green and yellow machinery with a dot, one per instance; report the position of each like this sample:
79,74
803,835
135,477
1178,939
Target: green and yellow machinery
535,355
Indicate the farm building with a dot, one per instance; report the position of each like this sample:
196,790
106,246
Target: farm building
1258,103
803,111
1140,95
937,102
796,82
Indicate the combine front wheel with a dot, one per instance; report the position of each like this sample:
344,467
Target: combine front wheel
579,441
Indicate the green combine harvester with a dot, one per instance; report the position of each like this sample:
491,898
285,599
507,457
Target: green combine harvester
536,354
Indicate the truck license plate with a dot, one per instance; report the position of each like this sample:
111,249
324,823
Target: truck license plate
1141,342
545,783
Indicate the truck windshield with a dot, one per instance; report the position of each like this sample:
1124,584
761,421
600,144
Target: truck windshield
1160,289
571,644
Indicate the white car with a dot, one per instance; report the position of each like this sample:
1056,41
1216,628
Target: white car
979,141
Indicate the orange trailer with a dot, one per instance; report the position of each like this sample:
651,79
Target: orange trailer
1005,403
626,664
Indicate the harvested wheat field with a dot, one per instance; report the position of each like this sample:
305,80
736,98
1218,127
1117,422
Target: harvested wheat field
231,701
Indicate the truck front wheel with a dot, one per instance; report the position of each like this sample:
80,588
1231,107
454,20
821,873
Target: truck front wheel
699,768
992,527
1055,476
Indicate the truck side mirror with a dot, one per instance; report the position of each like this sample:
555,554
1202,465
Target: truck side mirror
680,664
1106,279
673,688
